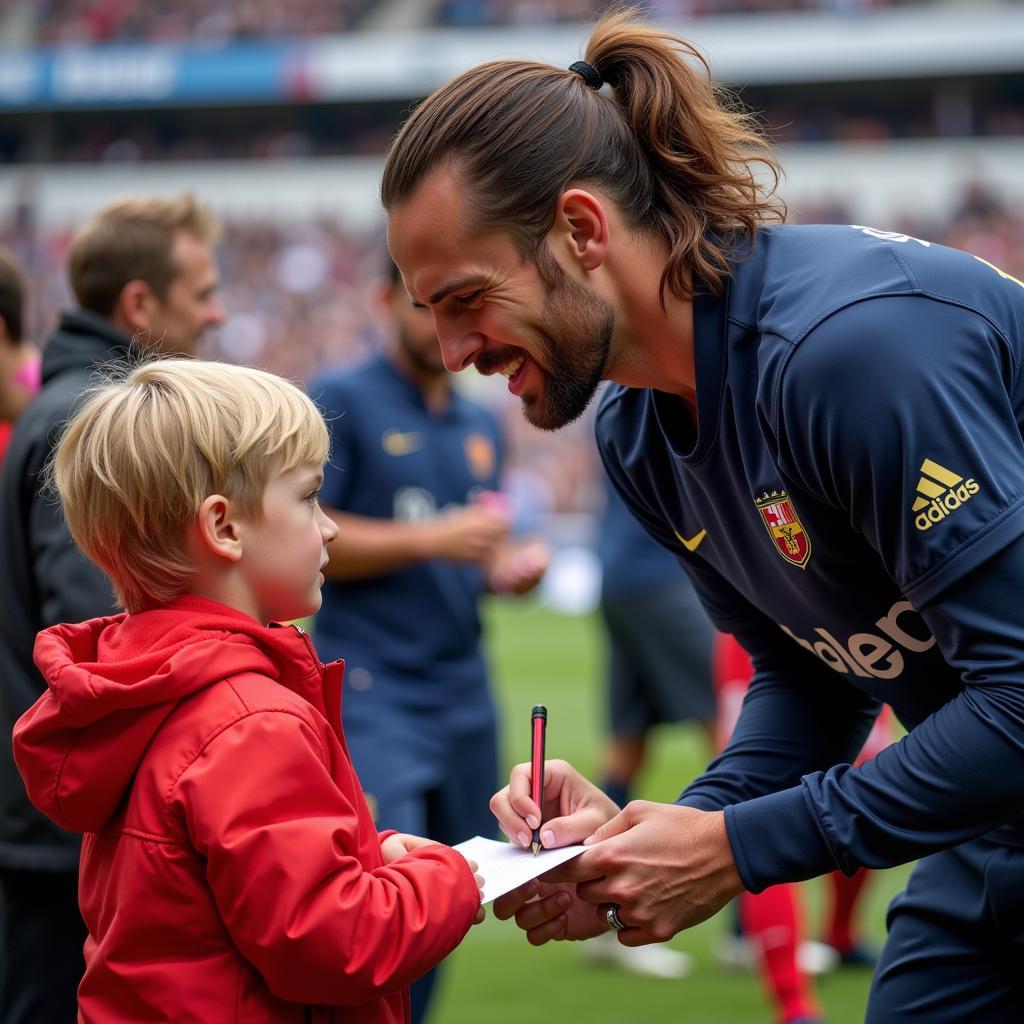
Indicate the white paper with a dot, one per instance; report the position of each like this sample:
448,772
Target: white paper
505,866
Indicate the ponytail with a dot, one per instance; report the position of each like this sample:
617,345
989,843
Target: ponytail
674,152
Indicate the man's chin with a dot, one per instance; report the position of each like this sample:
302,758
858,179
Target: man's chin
540,415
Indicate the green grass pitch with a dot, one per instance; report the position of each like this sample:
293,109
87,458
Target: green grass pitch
496,977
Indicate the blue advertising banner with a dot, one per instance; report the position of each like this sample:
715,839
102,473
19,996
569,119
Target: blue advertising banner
129,75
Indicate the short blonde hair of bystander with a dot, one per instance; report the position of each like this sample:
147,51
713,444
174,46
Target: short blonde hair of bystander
153,441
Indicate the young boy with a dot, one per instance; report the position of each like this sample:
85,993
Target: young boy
230,867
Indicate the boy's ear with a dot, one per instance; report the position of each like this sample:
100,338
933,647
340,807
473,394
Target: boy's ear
218,527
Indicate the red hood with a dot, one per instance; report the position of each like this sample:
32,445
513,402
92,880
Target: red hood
111,682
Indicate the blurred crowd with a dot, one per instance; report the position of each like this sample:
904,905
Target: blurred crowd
532,12
322,130
298,299
57,22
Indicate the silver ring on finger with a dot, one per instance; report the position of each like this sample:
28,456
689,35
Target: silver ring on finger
611,915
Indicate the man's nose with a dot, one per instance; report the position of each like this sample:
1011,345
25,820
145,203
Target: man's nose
459,348
215,315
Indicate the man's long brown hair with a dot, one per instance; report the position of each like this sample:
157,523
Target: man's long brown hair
674,151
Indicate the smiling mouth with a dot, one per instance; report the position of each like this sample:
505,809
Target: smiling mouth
512,367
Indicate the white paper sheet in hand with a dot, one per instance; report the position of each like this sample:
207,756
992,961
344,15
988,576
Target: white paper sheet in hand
505,866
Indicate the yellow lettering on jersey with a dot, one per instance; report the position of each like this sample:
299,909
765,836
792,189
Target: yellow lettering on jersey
1001,273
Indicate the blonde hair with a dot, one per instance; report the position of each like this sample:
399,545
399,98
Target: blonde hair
132,239
674,151
152,443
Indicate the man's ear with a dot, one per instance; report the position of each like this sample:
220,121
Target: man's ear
218,528
134,308
384,298
580,230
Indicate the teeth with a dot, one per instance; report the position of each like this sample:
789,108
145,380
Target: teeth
510,369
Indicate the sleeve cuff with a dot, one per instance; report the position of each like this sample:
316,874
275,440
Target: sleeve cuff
777,838
699,801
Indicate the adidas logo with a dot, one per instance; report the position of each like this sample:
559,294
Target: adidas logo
939,492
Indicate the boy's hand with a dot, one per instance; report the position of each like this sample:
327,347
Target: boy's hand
400,844
481,911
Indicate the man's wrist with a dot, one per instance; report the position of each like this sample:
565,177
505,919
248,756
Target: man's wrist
423,541
731,882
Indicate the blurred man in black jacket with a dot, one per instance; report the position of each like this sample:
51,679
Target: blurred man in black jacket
144,277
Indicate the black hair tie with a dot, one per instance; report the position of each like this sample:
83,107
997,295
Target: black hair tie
588,73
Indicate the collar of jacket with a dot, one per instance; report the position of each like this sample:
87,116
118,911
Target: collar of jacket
81,340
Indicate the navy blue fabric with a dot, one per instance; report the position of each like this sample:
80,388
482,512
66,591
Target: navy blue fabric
864,388
415,631
956,941
428,774
632,563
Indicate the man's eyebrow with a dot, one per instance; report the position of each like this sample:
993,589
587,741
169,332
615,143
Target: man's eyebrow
452,286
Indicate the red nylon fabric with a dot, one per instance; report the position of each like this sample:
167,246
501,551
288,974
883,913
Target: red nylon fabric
231,870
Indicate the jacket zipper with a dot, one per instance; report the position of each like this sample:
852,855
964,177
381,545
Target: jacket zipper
332,700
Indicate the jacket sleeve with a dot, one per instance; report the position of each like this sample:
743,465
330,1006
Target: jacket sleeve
957,775
279,837
794,720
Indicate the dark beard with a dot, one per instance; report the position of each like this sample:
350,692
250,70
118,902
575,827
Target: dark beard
420,361
577,330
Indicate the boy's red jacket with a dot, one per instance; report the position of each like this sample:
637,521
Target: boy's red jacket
231,870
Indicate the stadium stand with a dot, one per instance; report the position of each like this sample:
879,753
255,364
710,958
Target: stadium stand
60,22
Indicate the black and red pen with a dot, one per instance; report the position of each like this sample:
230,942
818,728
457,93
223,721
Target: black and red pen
539,723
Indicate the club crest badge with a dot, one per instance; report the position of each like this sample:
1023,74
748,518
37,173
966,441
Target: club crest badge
480,455
784,527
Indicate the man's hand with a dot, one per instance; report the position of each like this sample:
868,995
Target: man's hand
518,568
667,868
573,807
469,534
549,912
